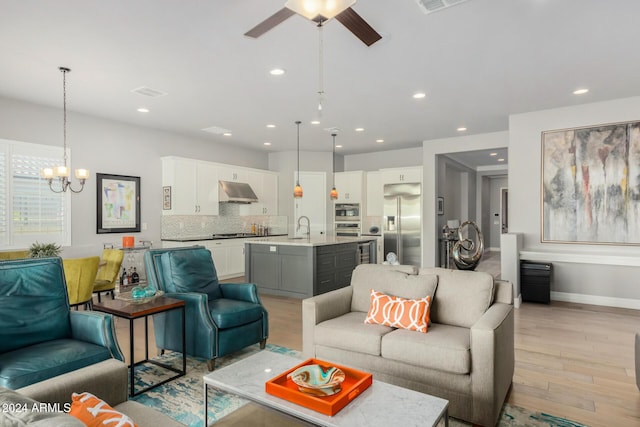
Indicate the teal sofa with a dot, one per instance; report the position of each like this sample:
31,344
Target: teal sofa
40,337
221,318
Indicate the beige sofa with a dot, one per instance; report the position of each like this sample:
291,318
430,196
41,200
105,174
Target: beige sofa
466,356
106,380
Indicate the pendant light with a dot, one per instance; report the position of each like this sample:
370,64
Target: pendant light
62,172
297,190
333,194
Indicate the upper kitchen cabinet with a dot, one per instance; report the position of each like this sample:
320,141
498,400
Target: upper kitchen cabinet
194,186
375,196
350,186
401,175
265,185
232,173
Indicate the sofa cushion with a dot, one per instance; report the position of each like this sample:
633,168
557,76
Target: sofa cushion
462,297
48,359
444,348
398,312
95,412
229,313
17,411
38,290
389,279
191,271
349,332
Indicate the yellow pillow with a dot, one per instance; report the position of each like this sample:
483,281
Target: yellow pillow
95,412
399,312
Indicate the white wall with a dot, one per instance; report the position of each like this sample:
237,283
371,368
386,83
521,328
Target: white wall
383,159
596,274
106,146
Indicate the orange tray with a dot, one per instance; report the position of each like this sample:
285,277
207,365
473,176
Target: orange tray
355,382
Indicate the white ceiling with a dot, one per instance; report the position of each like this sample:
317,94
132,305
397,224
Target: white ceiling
478,62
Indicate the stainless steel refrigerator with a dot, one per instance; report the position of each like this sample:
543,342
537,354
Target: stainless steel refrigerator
402,222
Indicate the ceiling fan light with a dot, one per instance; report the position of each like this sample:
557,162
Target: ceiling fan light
319,10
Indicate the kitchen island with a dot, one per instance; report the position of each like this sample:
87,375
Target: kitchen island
304,267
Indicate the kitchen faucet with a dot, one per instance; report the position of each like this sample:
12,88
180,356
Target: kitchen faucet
308,225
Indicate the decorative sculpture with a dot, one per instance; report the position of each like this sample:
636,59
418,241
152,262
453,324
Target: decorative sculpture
471,260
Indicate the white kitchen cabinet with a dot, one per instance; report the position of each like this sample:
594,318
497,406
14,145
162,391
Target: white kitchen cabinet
375,194
265,185
401,175
227,254
193,186
350,186
236,259
232,173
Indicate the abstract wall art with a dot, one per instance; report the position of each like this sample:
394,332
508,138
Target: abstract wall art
118,203
591,185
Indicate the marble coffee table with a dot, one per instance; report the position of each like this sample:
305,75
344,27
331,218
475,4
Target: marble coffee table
381,404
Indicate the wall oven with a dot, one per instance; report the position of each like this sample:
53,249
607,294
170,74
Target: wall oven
347,212
349,229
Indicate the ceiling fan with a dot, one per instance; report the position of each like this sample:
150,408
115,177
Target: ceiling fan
320,11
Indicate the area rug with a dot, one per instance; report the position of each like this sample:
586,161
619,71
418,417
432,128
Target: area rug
183,398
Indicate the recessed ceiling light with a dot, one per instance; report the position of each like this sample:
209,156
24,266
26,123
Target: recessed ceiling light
267,143
461,129
277,72
580,91
315,122
493,154
271,126
143,110
359,129
227,134
338,146
501,159
379,141
419,95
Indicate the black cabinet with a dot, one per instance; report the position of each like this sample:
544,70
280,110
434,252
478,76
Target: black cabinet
535,281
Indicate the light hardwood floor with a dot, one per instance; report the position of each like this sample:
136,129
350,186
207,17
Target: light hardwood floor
572,360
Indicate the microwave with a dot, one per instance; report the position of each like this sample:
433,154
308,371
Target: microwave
347,212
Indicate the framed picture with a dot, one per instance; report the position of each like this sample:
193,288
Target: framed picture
440,206
166,198
591,185
118,203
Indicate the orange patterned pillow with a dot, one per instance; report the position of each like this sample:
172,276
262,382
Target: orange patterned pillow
398,312
95,412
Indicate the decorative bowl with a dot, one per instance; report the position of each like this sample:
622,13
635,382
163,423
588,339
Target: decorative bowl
127,296
318,380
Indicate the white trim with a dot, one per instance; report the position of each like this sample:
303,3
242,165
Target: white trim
596,300
625,260
517,301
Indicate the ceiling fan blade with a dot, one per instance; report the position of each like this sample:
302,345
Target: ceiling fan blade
358,26
270,22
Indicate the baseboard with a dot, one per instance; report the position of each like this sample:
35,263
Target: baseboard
596,300
517,301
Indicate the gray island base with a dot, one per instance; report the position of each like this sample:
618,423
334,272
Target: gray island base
302,268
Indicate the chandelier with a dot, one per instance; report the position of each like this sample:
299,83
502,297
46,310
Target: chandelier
62,172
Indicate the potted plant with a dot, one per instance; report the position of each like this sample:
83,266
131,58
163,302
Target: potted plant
43,250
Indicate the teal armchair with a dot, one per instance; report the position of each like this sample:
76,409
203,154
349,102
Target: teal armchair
40,337
222,318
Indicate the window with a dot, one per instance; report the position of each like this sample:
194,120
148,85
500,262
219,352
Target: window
29,210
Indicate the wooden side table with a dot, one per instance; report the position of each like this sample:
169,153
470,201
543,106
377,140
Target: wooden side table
132,311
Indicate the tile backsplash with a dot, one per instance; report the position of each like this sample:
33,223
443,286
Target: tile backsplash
228,221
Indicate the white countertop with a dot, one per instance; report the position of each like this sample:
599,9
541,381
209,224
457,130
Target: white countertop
312,241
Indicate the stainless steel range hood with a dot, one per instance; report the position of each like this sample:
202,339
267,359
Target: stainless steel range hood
236,192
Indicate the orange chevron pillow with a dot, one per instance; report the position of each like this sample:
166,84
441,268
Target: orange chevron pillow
398,312
95,412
